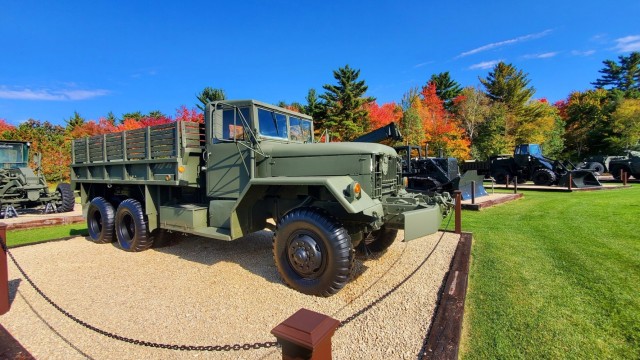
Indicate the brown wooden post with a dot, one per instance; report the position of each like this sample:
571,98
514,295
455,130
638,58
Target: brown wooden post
570,186
515,184
458,211
4,273
306,335
473,192
506,186
622,176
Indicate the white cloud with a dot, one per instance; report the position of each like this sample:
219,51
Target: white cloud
422,64
582,53
484,65
505,42
50,95
541,56
628,43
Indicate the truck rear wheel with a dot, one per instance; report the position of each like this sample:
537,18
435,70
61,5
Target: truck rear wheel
501,176
100,218
131,228
313,252
379,240
67,199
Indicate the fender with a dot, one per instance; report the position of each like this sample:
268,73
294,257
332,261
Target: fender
336,185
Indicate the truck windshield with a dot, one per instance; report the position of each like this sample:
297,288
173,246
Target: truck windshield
13,155
272,124
300,129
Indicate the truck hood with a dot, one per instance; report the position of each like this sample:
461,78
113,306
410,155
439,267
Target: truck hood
279,150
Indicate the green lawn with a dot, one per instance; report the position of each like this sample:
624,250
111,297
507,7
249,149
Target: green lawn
555,275
20,237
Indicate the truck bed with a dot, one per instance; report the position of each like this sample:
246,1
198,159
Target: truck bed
167,154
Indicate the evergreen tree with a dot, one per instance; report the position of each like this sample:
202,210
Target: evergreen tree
509,86
446,88
623,76
132,115
345,116
74,121
209,94
111,118
156,114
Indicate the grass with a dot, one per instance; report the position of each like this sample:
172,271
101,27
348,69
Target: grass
31,236
555,275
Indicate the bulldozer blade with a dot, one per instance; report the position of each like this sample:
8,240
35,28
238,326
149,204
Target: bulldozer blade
579,179
465,184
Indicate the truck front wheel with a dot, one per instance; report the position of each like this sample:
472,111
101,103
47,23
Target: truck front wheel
131,228
379,240
313,252
100,217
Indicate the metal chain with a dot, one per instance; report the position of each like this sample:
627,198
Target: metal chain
396,287
228,347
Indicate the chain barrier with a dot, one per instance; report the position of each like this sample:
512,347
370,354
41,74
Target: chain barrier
398,285
227,347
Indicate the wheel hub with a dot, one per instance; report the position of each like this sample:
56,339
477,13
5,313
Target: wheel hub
304,255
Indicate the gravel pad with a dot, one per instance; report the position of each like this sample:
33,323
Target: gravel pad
207,292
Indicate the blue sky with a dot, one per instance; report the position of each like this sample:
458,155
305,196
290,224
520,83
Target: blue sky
123,56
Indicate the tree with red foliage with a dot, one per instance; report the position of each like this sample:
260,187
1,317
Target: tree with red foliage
5,126
380,116
193,115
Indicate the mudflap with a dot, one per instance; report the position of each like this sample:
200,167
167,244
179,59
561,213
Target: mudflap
579,179
421,222
465,183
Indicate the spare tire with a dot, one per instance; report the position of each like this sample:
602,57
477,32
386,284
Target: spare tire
67,199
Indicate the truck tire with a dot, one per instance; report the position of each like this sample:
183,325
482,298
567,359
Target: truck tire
597,168
67,198
379,240
615,171
313,252
131,227
543,177
100,218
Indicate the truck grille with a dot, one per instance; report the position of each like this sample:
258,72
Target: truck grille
387,175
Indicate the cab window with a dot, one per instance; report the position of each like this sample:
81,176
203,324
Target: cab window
232,123
272,124
300,129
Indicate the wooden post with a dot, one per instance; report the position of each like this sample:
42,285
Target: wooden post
622,176
625,177
473,192
570,186
506,186
458,211
4,273
515,184
306,335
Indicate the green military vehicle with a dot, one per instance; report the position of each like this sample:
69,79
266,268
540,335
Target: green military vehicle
20,187
248,164
628,163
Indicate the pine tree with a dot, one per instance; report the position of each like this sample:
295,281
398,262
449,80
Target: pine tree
509,86
75,121
209,94
345,116
446,88
624,76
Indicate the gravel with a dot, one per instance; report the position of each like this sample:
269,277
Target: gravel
207,292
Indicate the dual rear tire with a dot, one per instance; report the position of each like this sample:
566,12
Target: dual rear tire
127,224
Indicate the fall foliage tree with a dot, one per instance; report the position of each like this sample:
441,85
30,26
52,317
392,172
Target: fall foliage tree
380,116
447,89
471,108
626,124
588,126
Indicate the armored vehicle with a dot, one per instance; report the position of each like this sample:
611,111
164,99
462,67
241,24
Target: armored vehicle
251,162
629,163
20,187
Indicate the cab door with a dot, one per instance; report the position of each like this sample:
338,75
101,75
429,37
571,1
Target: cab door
229,161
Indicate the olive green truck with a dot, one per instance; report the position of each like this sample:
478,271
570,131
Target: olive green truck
250,165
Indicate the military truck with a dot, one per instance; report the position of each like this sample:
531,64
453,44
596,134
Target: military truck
20,187
251,162
629,163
